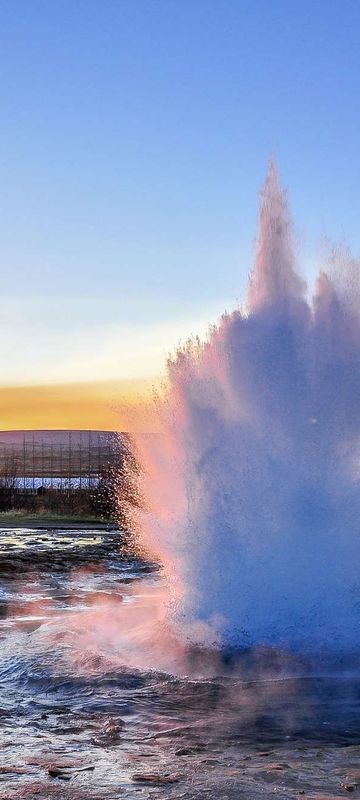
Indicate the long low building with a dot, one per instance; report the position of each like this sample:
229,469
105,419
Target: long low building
57,457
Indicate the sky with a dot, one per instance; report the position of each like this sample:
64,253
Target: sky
134,138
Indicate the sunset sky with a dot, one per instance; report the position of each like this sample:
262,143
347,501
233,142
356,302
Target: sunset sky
107,405
134,137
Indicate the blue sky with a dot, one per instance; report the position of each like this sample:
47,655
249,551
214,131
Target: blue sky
134,137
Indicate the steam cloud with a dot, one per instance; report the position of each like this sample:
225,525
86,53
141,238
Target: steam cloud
252,489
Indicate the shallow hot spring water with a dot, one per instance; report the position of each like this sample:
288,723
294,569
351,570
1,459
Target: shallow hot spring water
77,723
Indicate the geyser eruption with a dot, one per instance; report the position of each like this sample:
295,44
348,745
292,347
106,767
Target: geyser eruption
252,489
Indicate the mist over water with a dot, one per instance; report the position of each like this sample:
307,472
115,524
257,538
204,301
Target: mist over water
252,489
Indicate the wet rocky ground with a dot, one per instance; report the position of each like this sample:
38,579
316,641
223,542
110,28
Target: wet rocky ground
91,727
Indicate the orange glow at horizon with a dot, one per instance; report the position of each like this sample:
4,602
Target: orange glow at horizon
103,405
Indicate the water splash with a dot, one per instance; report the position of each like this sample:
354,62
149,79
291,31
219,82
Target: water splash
252,488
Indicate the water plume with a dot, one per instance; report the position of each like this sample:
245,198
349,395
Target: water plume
252,487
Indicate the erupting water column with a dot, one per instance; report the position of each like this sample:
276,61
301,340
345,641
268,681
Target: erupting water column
252,489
